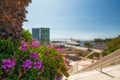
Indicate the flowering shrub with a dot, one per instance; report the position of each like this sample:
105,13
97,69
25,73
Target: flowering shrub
31,61
7,48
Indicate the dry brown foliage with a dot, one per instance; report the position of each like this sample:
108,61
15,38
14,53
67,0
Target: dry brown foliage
12,16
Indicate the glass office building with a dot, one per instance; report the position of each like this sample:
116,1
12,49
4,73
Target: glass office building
42,35
35,33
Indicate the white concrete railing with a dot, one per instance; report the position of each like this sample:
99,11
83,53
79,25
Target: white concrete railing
108,60
111,59
74,68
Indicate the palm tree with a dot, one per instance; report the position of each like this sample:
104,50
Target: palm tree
12,16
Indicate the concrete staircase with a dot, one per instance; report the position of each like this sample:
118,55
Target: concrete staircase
109,60
110,73
107,68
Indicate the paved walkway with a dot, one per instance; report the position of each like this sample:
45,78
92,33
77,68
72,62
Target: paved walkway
109,73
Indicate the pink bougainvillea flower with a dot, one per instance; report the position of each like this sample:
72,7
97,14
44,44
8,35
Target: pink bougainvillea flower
23,47
43,68
65,62
47,53
57,57
49,46
35,43
56,79
8,63
13,61
37,65
4,67
28,43
55,47
27,64
34,55
58,49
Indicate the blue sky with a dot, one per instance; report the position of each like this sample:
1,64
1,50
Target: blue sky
80,19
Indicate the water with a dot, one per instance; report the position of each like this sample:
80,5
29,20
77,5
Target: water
82,43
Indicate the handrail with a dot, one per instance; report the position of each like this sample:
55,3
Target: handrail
105,61
73,67
87,55
107,58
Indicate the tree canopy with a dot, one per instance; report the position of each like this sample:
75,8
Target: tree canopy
112,45
87,44
12,16
27,35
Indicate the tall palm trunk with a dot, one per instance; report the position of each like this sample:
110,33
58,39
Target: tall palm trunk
12,16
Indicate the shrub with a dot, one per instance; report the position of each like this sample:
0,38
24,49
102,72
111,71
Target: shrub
96,54
27,36
87,44
112,45
33,62
91,56
7,48
80,53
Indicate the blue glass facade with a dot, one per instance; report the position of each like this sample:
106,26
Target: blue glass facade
45,35
41,34
36,34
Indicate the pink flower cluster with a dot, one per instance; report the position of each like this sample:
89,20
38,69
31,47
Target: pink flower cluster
57,57
49,47
23,47
65,61
35,43
29,64
34,55
55,47
9,63
47,53
58,49
57,78
37,65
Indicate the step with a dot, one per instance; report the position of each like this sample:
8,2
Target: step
109,73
